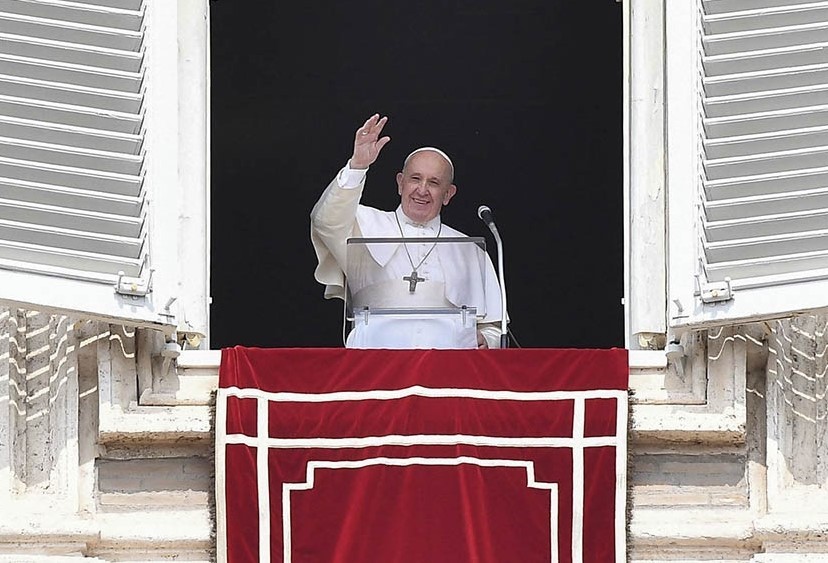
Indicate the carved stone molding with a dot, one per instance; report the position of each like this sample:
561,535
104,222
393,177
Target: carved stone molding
797,432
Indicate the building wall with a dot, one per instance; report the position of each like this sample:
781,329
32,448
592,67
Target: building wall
752,488
84,470
105,455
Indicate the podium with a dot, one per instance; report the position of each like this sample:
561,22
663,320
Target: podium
416,292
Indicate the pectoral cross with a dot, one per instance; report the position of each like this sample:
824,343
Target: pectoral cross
412,281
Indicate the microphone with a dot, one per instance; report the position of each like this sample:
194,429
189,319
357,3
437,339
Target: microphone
485,214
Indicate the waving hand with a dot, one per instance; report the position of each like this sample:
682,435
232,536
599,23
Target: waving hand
368,143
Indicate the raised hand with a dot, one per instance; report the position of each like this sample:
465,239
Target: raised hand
368,143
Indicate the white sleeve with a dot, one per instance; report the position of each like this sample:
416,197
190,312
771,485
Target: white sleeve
491,332
350,178
333,219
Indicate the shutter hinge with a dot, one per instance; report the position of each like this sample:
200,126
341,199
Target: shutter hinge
714,292
134,287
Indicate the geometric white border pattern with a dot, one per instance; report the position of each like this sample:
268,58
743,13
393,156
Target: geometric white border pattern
577,443
529,466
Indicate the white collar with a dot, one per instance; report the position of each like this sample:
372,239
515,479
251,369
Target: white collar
433,224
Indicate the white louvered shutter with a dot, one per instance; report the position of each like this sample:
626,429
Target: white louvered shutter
75,214
756,180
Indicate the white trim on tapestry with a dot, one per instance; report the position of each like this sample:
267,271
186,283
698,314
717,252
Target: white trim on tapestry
423,440
621,422
529,466
419,391
221,469
263,479
263,444
578,419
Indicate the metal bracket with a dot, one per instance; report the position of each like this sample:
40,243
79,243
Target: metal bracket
715,292
168,315
133,287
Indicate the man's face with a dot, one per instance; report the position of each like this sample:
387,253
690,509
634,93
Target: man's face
425,186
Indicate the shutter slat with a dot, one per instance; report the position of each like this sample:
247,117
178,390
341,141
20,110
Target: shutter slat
766,143
789,267
761,81
58,52
78,137
741,42
64,176
766,163
134,5
769,59
82,200
121,247
72,157
108,38
757,206
66,73
764,102
65,114
73,219
76,12
723,6
33,257
104,101
765,184
763,226
765,18
767,247
766,122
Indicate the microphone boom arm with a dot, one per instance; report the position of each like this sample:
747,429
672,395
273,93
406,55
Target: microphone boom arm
485,215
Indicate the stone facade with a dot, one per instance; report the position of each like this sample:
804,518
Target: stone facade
85,469
105,445
736,471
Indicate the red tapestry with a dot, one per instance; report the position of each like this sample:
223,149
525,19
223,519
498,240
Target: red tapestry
439,456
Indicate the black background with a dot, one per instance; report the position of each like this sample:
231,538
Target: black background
526,97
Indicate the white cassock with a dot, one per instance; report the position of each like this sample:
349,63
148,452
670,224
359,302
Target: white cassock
454,274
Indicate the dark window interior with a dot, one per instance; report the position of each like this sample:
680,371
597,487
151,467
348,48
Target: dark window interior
525,95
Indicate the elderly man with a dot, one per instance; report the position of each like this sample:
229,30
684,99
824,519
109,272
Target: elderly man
407,275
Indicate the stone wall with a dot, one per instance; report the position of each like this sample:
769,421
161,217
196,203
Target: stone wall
105,446
67,489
